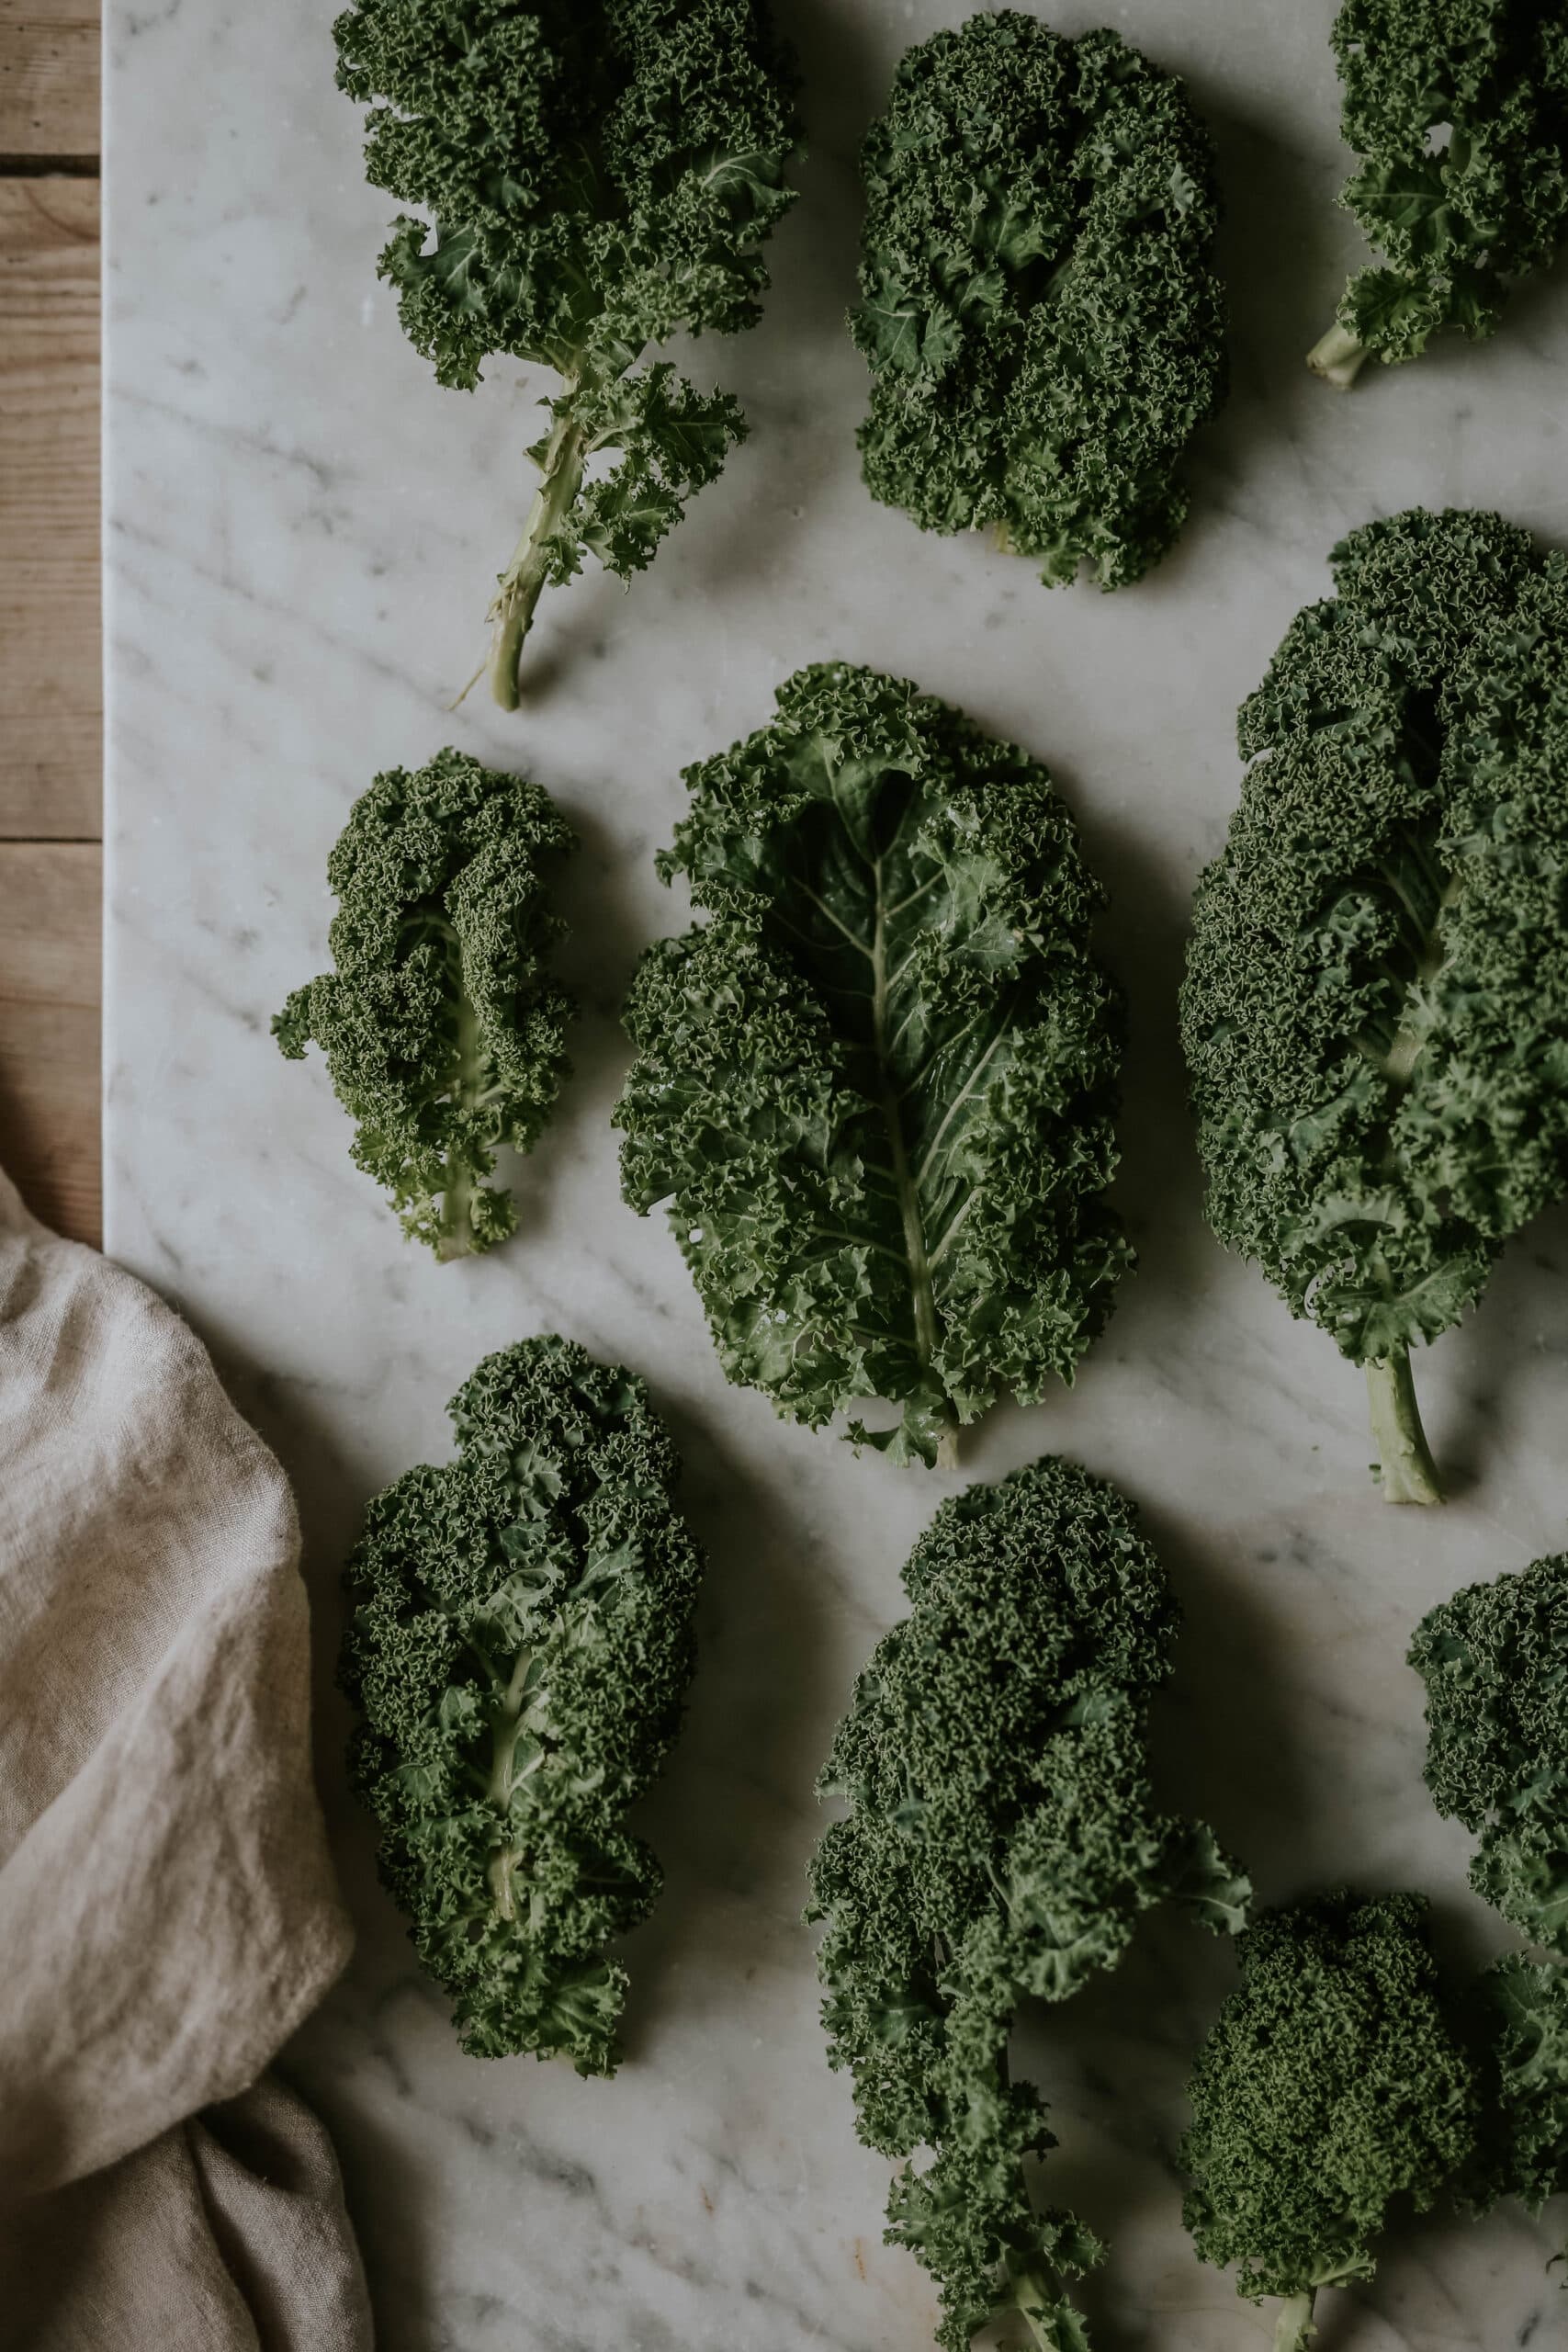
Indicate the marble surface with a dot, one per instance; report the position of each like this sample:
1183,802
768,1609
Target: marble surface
300,530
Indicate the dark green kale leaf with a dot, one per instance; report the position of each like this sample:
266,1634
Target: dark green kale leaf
520,1654
1039,303
1330,2085
876,1088
1458,111
1375,1011
598,174
443,1031
1495,1661
1002,1843
1519,2010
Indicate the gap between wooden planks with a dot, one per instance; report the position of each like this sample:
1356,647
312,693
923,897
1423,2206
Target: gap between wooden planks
51,725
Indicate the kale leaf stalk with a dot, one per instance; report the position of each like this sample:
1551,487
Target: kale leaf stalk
560,465
457,1235
504,1779
1409,1472
1423,894
1293,2330
1338,358
922,1289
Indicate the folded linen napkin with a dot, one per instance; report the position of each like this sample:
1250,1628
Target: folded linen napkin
168,1912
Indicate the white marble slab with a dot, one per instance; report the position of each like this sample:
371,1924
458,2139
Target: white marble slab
300,528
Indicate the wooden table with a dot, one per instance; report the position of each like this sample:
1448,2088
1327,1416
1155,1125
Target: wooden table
50,691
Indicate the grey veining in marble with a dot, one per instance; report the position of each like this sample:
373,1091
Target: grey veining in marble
300,530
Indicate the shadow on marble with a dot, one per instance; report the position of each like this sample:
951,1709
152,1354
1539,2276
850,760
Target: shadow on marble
729,1818
1142,937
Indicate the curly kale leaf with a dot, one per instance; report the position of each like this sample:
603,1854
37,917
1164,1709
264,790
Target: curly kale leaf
1375,1011
1495,1661
1520,2014
1458,111
876,1088
1330,2085
520,1654
595,178
1002,1843
1039,304
443,1030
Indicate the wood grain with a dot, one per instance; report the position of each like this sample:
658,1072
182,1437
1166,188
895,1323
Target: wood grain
51,863
49,77
49,898
51,694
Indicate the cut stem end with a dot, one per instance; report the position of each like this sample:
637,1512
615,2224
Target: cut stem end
1409,1472
1337,358
1294,2330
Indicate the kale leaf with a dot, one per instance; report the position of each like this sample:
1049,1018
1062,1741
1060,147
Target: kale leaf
1375,1011
598,174
1458,112
1519,2009
519,1655
443,1030
1495,1661
1330,2085
1002,1841
876,1088
1039,303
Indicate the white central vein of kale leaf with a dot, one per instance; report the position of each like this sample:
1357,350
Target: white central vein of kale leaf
858,937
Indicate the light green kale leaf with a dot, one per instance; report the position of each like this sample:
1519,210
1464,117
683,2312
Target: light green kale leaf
875,1089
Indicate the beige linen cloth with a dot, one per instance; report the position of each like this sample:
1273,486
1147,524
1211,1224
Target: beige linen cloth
168,1912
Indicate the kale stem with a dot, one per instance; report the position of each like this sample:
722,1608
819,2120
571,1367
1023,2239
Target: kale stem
1029,2290
457,1232
1337,358
457,1235
1296,2330
1409,1473
905,1183
506,1725
512,613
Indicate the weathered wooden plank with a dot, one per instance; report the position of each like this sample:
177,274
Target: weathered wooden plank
51,696
49,77
49,899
